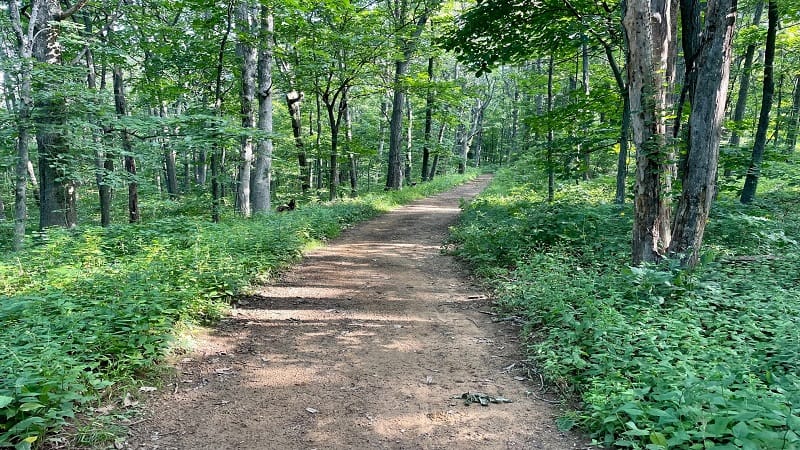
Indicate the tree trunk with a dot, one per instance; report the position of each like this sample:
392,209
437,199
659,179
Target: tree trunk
436,155
334,121
429,98
744,84
760,142
245,51
649,44
409,142
261,189
394,177
622,160
127,147
293,101
351,157
21,168
587,156
711,74
791,130
512,148
551,181
58,196
318,145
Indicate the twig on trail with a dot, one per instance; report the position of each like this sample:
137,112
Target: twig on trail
488,313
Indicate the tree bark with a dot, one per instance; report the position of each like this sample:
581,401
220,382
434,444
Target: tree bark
709,96
409,142
394,176
293,102
437,154
23,111
352,171
744,83
791,129
170,161
551,181
247,53
127,148
58,196
760,142
622,158
426,146
261,188
649,31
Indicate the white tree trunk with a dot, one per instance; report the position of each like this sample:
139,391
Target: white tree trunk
262,177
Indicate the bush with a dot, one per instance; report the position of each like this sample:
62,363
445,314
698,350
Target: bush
84,309
659,356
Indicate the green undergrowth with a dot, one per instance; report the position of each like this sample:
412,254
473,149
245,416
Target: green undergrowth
84,309
658,357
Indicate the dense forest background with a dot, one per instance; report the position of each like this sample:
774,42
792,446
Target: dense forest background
131,127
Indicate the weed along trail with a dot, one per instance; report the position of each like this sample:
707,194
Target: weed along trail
367,343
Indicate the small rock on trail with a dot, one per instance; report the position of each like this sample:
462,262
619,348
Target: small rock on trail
370,342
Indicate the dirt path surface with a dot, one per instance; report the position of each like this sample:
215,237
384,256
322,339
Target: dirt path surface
362,345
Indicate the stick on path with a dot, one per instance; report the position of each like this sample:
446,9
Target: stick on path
363,345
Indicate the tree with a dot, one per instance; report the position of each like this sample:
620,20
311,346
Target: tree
247,29
760,142
58,192
261,194
649,47
402,13
127,148
710,90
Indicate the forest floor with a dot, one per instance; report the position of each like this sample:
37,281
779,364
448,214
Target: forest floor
367,343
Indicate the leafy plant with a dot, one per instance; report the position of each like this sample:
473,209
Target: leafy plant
85,309
660,357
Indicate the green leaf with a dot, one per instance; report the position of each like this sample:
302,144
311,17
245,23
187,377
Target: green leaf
658,439
5,400
740,430
30,406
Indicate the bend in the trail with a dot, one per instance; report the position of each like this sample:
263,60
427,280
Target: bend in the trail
364,344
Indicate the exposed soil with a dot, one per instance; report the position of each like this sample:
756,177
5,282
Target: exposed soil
364,344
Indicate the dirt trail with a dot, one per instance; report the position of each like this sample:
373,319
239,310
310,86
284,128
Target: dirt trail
362,345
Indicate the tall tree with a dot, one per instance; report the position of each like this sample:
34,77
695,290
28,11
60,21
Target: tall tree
403,13
25,38
247,30
760,141
261,194
744,81
708,98
121,107
58,195
649,28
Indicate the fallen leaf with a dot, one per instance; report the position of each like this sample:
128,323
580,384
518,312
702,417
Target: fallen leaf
312,410
428,379
147,389
223,371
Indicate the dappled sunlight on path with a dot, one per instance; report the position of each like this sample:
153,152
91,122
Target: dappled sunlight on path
366,344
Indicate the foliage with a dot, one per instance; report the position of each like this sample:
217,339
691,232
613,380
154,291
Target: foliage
84,309
660,357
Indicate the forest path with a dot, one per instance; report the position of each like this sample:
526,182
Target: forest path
362,345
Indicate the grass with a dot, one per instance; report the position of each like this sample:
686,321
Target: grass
658,357
84,311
